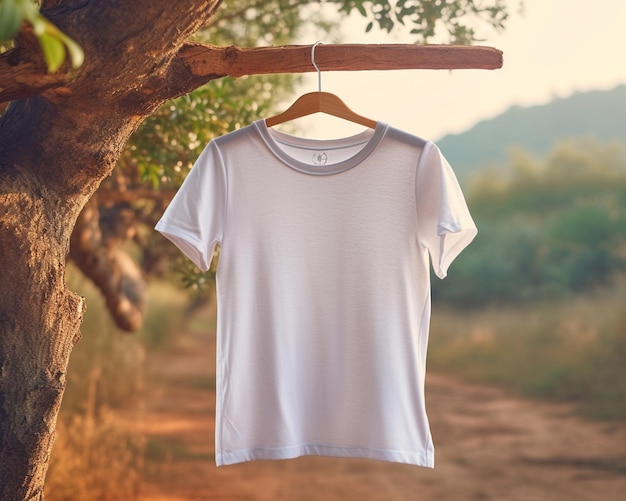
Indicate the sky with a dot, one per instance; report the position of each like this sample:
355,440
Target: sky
552,49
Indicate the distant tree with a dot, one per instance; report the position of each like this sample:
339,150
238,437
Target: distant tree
61,137
548,228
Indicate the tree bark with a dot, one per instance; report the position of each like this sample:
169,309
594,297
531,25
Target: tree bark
39,324
55,149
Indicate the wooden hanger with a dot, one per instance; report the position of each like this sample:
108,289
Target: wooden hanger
316,102
323,102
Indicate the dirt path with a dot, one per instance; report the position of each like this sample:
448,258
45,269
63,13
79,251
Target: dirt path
489,446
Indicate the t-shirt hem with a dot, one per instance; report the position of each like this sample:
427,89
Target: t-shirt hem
425,459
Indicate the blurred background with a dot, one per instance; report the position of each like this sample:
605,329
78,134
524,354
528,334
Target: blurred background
527,357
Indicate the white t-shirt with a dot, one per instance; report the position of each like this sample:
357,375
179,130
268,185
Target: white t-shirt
323,287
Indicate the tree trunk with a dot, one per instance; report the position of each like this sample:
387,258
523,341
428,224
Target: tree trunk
39,324
55,149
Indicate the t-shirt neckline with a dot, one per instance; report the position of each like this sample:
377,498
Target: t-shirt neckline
370,139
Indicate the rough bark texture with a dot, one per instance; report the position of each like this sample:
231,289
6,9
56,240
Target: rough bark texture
55,149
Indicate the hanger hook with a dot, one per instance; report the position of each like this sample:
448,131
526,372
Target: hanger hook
319,73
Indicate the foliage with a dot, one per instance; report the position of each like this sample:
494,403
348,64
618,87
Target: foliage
427,18
54,43
547,230
424,19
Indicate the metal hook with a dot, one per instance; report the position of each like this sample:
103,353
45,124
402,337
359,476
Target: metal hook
319,73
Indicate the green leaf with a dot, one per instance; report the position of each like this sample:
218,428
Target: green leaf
369,27
77,55
76,52
10,19
54,44
53,51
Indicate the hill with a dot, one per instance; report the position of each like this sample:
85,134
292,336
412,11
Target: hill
598,114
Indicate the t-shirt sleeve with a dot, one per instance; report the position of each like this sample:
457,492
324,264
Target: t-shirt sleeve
194,218
445,226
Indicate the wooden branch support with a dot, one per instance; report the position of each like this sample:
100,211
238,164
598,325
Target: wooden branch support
210,60
20,77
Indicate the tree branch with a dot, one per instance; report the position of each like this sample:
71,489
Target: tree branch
199,63
110,268
23,70
209,60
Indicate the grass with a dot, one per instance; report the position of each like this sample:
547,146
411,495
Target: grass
94,458
569,351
